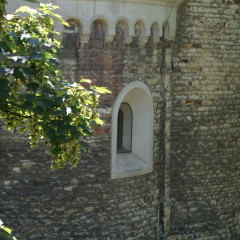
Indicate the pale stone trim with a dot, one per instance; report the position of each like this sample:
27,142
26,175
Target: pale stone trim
109,38
85,38
86,11
140,160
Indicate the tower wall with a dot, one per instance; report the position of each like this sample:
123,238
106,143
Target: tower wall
193,190
84,202
205,128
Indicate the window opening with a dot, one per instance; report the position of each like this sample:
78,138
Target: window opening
120,130
132,132
124,129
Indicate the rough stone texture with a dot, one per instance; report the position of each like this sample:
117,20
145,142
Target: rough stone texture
204,165
195,84
83,202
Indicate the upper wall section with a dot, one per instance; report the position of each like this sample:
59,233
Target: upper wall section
112,11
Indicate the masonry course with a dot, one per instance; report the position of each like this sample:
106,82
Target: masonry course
204,164
195,82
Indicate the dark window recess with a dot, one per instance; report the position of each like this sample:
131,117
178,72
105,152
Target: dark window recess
120,130
124,129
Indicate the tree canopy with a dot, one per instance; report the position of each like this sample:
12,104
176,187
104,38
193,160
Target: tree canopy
2,11
34,98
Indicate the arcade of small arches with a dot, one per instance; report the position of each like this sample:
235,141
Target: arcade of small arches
99,33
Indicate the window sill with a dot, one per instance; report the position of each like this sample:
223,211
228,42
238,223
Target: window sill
130,165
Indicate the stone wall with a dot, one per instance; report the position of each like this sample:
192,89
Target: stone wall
194,186
83,202
205,126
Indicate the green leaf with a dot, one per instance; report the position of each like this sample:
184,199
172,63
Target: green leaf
3,88
62,139
27,73
48,91
99,121
23,8
5,47
56,113
74,109
53,61
62,131
51,134
85,81
8,230
36,56
29,97
27,105
55,150
85,146
54,51
75,132
32,86
18,74
33,42
43,104
38,110
57,100
101,90
64,111
32,1
14,36
59,123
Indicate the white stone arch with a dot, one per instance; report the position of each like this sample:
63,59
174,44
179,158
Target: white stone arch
139,161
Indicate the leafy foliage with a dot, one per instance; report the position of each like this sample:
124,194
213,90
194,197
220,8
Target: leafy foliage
2,11
2,7
5,232
33,96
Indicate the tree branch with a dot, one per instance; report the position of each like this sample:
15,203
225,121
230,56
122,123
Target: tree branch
15,114
14,104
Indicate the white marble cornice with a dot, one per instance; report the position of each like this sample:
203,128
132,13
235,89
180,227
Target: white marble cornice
174,3
112,11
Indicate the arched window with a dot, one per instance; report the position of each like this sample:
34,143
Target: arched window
132,132
120,131
155,32
166,30
98,34
140,31
71,43
124,129
121,34
71,37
